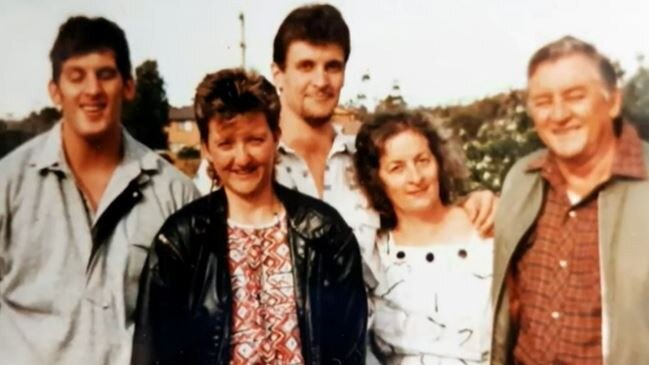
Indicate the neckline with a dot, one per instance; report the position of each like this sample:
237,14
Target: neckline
472,238
277,218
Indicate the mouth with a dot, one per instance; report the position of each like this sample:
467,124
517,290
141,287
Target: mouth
565,130
417,192
93,109
321,97
244,172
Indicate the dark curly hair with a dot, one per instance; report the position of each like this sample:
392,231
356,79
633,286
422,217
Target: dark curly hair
230,92
370,143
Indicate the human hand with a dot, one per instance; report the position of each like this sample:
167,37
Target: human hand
480,206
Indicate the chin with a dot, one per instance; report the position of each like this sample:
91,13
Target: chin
317,121
418,207
246,189
93,127
93,134
567,152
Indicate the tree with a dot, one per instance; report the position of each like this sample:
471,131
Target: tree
493,132
146,116
41,121
394,102
636,99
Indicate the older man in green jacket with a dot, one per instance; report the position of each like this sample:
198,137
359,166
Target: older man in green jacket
571,272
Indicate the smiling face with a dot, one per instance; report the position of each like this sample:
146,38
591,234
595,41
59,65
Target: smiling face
90,91
242,152
572,109
408,171
311,80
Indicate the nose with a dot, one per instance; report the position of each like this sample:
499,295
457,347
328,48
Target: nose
414,175
241,155
93,85
559,111
320,77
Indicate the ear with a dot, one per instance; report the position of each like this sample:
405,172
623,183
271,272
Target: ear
55,93
205,152
129,90
278,76
616,103
276,137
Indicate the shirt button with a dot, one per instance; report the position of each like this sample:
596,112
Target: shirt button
563,264
572,214
555,315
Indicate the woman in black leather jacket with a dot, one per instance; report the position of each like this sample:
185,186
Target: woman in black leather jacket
191,283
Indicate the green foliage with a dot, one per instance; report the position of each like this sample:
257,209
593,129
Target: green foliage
146,116
49,115
498,145
391,103
494,133
394,102
636,101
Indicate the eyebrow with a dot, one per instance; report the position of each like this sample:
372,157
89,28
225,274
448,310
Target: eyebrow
574,88
69,69
335,62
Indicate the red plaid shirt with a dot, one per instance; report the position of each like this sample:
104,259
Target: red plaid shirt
555,283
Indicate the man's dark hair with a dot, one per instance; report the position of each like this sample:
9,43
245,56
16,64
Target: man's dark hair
568,46
318,24
81,35
231,92
370,146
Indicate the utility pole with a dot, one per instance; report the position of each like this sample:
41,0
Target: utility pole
243,40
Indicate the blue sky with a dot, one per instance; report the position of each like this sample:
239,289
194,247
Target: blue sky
439,51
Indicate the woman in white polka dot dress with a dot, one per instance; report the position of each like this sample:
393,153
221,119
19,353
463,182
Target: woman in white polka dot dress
429,273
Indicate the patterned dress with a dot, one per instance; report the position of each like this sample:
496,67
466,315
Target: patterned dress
265,323
431,303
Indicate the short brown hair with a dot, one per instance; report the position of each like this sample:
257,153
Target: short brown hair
80,35
370,143
567,46
231,92
317,24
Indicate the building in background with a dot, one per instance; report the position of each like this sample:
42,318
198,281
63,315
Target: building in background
182,131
